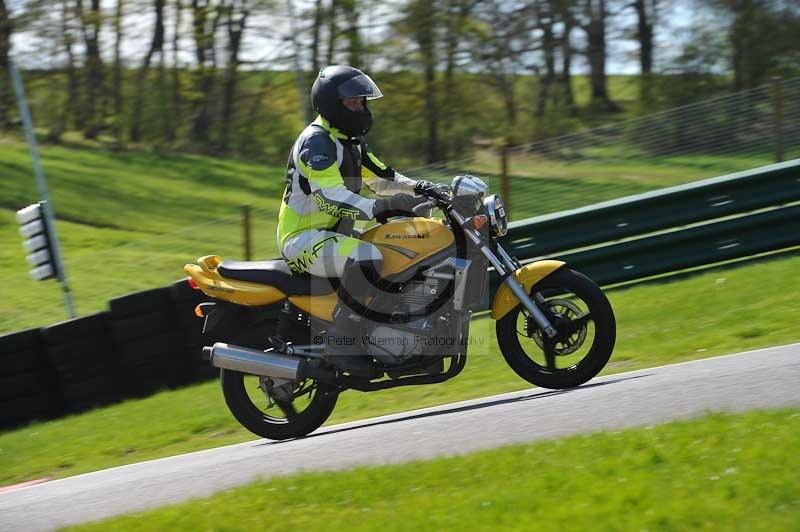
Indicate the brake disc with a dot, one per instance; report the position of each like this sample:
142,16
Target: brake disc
565,312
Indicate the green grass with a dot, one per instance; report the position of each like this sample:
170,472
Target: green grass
712,313
719,472
127,221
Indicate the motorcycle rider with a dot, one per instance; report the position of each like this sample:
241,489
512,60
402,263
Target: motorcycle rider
328,164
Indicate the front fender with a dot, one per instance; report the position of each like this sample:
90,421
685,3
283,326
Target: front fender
527,276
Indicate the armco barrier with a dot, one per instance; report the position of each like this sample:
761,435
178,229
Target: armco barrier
687,248
151,340
672,207
667,226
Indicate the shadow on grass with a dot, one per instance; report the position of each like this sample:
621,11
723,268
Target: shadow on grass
458,409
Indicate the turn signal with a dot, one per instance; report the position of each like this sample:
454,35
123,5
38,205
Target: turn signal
204,309
476,222
193,284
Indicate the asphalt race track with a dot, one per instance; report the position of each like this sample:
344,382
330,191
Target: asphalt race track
766,378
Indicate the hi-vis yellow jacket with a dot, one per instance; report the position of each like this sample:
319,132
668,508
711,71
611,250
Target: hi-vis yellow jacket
324,177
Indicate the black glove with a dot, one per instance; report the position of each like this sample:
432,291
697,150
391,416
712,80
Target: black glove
427,187
397,205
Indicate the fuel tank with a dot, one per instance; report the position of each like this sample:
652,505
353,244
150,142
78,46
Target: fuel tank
408,242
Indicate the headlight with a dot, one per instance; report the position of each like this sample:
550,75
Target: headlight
497,214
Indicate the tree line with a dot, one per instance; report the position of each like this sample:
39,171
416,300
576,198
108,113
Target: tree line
189,74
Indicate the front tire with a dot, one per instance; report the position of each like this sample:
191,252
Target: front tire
272,419
586,329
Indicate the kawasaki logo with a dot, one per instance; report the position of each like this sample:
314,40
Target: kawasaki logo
393,236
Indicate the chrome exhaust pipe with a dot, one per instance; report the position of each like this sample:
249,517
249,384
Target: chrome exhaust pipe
253,361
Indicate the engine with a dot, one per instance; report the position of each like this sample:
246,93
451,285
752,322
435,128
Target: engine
393,345
417,295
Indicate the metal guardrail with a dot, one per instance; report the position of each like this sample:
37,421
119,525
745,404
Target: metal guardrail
669,230
686,248
667,208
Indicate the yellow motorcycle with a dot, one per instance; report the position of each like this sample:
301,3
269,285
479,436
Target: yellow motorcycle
554,326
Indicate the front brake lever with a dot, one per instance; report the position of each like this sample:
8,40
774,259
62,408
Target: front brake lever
419,208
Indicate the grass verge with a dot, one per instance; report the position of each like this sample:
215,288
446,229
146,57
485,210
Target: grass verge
713,313
719,472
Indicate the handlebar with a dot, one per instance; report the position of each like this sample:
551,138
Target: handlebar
442,193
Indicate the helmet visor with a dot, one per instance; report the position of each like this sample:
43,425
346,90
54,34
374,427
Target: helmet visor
360,86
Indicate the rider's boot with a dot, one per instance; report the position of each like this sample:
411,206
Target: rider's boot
344,347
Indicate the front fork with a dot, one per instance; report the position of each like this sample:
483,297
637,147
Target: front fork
517,289
505,265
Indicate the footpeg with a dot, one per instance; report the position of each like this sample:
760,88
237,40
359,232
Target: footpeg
279,345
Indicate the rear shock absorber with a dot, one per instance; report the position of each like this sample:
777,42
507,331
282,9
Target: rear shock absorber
293,327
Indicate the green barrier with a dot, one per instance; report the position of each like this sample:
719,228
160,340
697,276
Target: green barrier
731,231
655,211
687,248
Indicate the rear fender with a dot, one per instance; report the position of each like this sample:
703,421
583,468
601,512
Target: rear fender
527,276
205,274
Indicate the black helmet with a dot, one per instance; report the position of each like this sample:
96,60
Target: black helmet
336,82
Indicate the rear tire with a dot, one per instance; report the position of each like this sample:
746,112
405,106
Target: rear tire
258,421
583,296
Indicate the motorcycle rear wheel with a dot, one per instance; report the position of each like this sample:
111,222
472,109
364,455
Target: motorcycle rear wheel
276,420
586,325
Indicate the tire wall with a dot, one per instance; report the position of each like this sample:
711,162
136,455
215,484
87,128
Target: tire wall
147,341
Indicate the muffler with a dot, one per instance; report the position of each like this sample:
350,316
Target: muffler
254,362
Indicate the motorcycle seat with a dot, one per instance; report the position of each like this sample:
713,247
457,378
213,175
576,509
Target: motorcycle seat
276,273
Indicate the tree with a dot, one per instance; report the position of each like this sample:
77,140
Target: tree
156,46
117,73
422,20
316,29
456,19
6,92
568,21
205,21
91,24
235,22
546,20
506,33
71,113
762,38
333,31
175,96
755,57
646,11
355,46
594,25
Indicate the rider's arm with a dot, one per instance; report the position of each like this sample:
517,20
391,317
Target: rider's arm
317,162
381,179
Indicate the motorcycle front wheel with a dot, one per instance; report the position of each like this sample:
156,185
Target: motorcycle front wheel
294,410
586,332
